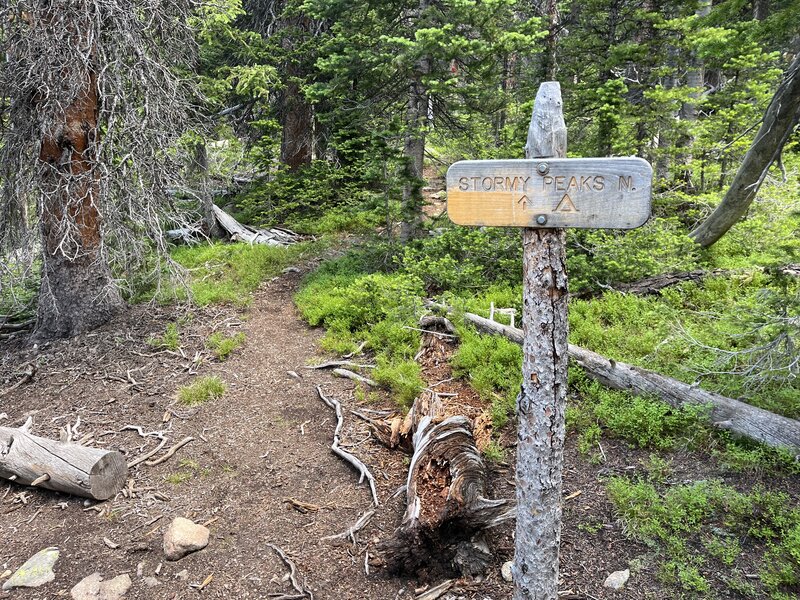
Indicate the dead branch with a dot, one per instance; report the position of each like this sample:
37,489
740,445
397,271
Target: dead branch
339,363
364,472
302,590
355,377
27,375
358,526
170,453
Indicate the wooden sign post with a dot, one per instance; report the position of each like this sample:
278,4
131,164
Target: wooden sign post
544,194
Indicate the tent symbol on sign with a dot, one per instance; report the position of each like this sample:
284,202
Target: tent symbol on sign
566,205
524,201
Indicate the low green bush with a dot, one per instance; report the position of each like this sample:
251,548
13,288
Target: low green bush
201,391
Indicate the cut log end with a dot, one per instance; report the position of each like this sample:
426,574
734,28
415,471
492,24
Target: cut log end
108,476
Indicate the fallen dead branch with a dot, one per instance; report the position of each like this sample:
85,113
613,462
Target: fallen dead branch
150,454
355,377
364,472
302,590
170,453
300,506
435,592
26,376
726,413
351,532
339,363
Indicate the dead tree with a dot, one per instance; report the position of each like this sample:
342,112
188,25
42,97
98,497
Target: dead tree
779,122
446,507
93,109
738,417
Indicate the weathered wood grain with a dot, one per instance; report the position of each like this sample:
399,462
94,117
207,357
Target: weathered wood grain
601,193
78,470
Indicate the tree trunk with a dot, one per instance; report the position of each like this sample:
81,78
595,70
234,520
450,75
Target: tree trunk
446,509
414,146
77,288
69,468
414,153
548,11
200,169
542,401
726,413
297,118
779,122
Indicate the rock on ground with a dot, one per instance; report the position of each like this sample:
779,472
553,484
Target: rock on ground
505,570
36,571
94,588
183,537
617,580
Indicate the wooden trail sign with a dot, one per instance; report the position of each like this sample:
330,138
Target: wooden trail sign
544,194
600,193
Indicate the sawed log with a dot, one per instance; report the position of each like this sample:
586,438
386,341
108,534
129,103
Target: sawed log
732,415
70,468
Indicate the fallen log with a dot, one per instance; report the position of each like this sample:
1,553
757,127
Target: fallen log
78,470
732,415
649,286
242,233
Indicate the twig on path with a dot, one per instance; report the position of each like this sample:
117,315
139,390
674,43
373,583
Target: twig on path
339,363
435,592
355,377
27,375
358,526
301,589
144,457
169,454
343,454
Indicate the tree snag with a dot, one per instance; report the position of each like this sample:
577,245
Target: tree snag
779,122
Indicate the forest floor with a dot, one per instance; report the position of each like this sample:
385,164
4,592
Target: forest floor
259,470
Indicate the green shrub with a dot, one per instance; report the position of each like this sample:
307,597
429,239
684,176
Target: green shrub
493,367
201,391
401,377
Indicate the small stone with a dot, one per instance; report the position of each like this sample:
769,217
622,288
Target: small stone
505,570
37,571
94,588
184,575
5,574
617,580
151,582
183,537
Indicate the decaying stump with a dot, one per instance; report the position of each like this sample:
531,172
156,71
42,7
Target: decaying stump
78,470
446,507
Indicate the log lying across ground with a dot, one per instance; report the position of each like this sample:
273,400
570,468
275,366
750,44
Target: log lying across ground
655,283
78,470
735,416
273,236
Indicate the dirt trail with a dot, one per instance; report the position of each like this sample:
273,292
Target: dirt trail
266,441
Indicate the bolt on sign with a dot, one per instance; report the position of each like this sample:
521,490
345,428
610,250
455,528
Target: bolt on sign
596,193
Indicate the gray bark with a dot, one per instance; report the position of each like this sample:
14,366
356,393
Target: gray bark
779,122
78,470
542,400
732,415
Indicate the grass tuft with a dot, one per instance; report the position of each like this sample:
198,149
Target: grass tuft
201,391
